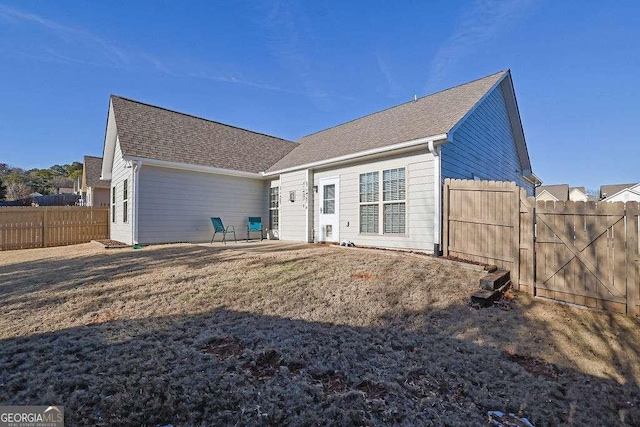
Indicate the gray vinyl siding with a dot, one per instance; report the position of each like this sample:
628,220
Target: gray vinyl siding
483,147
119,230
419,202
293,214
176,205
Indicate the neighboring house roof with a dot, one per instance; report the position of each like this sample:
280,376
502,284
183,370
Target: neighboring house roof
92,168
430,116
610,190
581,189
559,191
632,189
146,131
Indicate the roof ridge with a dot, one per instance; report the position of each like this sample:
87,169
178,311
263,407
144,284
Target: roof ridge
199,118
408,102
93,157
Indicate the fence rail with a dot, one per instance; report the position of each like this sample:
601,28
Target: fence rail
39,227
584,253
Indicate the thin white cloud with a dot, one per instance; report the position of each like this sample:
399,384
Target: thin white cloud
290,41
71,45
109,53
394,85
480,24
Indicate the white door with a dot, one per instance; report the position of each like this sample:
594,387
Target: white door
329,201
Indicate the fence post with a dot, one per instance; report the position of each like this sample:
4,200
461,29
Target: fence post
515,237
633,257
532,241
445,218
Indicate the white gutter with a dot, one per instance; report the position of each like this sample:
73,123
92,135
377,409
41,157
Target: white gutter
195,168
533,179
437,196
432,140
136,180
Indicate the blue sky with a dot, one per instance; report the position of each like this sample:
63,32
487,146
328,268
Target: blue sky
290,68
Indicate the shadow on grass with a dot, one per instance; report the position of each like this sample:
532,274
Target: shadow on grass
441,365
23,278
225,367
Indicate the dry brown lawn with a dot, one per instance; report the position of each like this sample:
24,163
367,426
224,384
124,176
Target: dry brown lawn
258,334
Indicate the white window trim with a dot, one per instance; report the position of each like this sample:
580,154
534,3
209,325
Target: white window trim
114,210
381,202
277,208
125,201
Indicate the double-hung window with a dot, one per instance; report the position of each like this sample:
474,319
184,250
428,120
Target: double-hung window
274,208
125,201
390,198
369,207
393,196
113,204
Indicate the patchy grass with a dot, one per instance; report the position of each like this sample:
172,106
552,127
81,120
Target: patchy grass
297,334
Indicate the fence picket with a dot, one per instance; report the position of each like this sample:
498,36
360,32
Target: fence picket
579,252
37,227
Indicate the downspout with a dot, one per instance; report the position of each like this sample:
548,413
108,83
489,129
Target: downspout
136,180
437,197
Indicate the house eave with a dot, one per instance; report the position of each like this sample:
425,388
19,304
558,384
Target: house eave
533,179
621,192
193,168
430,142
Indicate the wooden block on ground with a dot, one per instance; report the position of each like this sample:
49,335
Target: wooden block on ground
495,280
504,288
485,298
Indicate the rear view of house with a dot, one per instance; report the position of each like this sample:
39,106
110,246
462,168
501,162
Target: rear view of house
375,180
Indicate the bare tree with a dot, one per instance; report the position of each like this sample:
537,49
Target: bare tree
17,191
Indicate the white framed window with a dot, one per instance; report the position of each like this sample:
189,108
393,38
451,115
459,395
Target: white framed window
390,198
369,197
329,199
394,195
125,201
274,208
113,204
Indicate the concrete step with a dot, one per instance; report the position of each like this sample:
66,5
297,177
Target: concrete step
495,280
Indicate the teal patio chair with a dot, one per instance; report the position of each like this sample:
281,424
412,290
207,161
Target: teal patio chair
254,225
218,227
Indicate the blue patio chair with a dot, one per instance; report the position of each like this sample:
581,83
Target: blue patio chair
218,227
254,224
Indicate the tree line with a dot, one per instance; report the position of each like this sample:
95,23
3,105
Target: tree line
17,183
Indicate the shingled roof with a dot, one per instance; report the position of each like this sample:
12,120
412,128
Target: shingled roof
431,115
146,131
91,173
610,190
559,191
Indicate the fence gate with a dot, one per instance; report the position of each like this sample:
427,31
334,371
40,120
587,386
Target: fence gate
490,222
585,254
577,252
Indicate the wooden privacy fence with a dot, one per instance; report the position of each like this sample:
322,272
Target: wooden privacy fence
39,227
584,253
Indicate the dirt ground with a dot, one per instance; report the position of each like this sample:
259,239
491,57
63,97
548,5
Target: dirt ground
256,334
